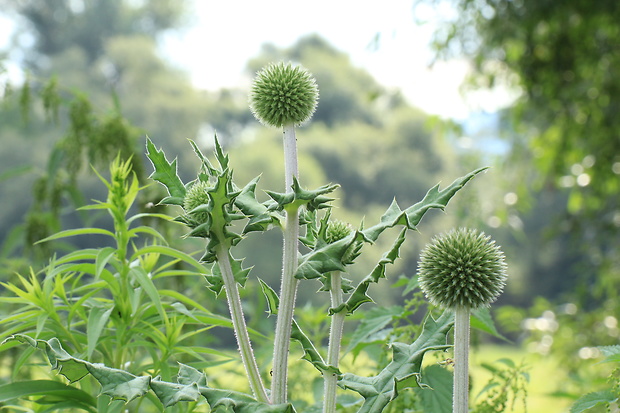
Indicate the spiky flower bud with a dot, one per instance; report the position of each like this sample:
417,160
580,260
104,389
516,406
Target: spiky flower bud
337,230
197,195
283,94
464,268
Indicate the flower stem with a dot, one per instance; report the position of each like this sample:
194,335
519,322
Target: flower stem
239,326
330,379
288,289
460,401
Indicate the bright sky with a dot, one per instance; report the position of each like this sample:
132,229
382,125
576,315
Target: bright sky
228,33
225,34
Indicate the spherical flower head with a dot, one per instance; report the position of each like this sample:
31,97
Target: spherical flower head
197,195
283,94
462,268
337,230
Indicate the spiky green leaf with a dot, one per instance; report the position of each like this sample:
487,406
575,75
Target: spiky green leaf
406,363
166,174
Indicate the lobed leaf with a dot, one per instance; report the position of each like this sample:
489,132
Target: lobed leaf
406,363
261,218
121,385
359,296
166,173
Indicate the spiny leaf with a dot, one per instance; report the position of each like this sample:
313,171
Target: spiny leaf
412,216
311,354
216,283
406,363
166,173
359,296
260,217
119,384
312,199
327,258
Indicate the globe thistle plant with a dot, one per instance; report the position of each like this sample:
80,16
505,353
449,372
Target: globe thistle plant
284,95
461,271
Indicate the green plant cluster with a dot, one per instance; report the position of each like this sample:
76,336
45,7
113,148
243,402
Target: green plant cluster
109,315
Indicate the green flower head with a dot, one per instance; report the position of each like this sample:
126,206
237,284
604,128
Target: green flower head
283,94
464,268
196,195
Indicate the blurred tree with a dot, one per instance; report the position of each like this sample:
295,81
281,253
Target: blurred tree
560,55
106,51
57,25
565,122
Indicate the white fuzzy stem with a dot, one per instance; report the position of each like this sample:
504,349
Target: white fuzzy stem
335,339
460,400
288,289
239,326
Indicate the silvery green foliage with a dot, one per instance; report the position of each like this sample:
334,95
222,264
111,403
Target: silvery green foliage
463,267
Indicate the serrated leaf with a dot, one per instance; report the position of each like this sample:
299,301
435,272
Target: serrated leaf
260,217
171,393
412,216
327,258
359,296
215,280
312,199
235,402
611,353
166,173
406,363
436,396
590,400
121,385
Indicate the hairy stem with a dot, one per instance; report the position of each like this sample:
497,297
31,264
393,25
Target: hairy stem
460,401
288,288
239,326
330,379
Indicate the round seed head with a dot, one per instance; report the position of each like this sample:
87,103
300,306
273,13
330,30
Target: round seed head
464,268
197,195
283,94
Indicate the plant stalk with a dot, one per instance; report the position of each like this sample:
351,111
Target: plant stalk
460,401
330,379
239,326
288,288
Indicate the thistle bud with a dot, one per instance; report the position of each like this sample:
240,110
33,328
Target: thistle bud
283,94
462,268
197,194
